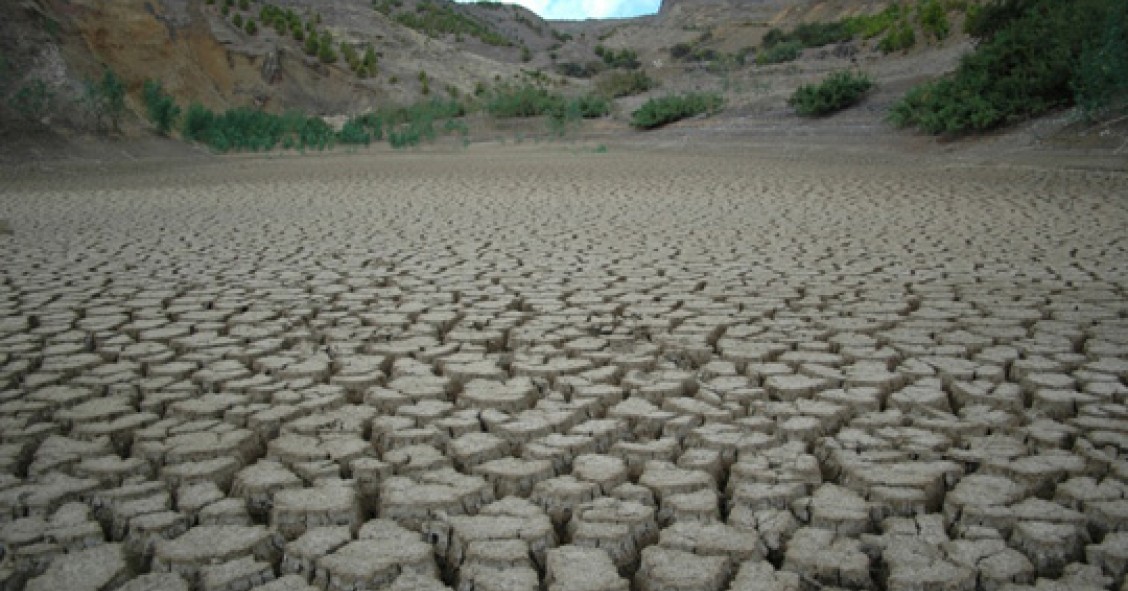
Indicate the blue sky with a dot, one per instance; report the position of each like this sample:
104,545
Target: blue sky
581,9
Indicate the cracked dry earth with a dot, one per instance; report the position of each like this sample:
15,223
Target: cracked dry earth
507,370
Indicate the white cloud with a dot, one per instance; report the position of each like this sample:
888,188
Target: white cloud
581,9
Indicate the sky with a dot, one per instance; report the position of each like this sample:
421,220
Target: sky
582,9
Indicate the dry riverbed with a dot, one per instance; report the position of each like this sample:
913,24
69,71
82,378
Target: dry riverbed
545,368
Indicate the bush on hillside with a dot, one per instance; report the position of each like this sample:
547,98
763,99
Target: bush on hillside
657,112
838,91
436,19
403,126
1032,56
159,106
786,51
246,129
1100,82
105,100
933,18
33,100
869,26
508,102
617,84
626,59
899,38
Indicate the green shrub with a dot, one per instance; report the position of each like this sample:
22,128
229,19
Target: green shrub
1031,57
159,106
105,100
33,100
933,18
369,60
353,132
900,38
404,126
197,122
456,126
681,51
237,20
578,70
838,91
325,52
1100,83
245,129
251,28
626,59
436,20
589,106
819,34
810,34
312,45
657,112
526,100
781,52
617,84
872,25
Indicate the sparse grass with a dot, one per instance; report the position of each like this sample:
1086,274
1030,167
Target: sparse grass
838,91
657,112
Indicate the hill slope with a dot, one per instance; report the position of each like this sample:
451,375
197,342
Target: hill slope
205,51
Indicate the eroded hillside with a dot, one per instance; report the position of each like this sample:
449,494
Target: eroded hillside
342,57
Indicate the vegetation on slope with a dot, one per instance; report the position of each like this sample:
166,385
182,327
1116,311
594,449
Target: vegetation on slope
838,91
246,129
661,111
436,20
896,25
1031,56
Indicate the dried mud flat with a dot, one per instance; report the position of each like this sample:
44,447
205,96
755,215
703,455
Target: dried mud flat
541,369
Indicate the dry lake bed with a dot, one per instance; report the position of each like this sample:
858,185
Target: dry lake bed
559,370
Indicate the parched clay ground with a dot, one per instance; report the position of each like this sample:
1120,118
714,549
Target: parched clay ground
543,369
